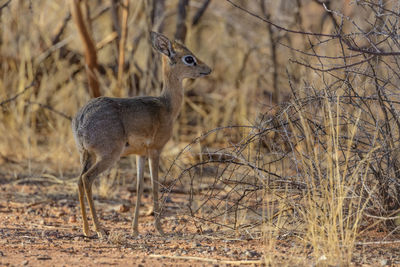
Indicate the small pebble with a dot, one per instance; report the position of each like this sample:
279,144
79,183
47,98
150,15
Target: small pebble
123,208
196,245
252,254
43,258
72,219
60,213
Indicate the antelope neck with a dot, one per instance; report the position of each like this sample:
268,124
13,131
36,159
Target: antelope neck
172,91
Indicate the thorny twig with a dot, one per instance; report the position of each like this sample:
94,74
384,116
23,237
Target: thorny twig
32,84
299,130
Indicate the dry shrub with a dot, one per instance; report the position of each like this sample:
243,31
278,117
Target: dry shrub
325,162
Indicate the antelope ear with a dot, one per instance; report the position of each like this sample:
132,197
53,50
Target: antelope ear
162,44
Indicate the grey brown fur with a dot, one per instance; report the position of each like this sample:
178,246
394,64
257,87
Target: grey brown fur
107,128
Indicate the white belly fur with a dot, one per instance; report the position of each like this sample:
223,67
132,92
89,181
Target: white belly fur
137,145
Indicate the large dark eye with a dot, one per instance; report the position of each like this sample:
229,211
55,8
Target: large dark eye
189,60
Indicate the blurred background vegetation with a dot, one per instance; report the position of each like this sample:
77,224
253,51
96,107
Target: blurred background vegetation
40,42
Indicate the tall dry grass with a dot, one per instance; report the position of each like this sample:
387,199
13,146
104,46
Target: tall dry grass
333,206
34,134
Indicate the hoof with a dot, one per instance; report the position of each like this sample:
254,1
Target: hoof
135,233
160,230
86,231
101,234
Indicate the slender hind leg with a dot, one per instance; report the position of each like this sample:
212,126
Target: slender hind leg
140,161
86,161
153,162
101,165
83,209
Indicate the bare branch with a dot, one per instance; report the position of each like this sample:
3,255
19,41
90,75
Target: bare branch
5,4
200,12
280,27
333,68
373,52
33,83
122,42
51,109
90,49
180,33
60,30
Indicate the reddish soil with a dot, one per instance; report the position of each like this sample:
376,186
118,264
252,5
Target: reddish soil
40,224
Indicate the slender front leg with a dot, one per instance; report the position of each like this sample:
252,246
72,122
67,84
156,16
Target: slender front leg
153,163
140,161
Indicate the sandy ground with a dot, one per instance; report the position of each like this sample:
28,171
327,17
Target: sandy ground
40,225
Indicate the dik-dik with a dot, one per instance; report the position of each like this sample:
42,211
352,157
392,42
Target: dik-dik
107,128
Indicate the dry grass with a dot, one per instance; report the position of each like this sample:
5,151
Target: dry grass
333,212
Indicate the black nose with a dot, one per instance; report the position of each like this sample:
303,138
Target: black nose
206,72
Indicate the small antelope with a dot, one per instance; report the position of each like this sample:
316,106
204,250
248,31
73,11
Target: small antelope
107,128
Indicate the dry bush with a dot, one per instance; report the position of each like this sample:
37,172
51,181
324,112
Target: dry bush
323,166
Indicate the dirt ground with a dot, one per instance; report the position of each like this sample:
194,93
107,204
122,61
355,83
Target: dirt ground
40,224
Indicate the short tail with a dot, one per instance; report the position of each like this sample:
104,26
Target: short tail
85,161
